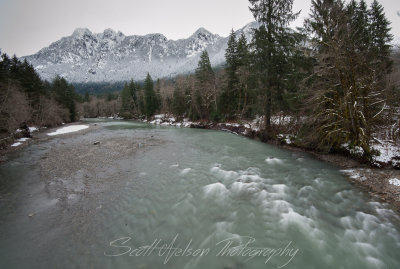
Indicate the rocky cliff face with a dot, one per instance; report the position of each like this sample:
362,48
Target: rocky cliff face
111,56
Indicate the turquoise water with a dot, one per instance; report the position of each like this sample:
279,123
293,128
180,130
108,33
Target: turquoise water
193,199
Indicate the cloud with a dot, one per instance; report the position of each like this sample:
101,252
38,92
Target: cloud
398,13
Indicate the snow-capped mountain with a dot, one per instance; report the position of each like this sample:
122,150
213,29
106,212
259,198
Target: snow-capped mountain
111,56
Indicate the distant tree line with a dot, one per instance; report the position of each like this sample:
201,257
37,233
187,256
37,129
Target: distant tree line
26,99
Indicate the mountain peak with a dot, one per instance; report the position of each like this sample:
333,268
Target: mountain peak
79,32
202,31
110,33
112,56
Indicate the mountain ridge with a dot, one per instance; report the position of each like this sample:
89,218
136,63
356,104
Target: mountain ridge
111,56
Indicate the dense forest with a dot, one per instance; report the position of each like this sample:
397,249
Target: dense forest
336,78
25,99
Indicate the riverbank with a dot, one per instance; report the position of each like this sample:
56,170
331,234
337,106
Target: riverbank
66,192
380,180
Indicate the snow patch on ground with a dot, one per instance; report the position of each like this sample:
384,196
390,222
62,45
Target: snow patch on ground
68,129
394,181
165,120
33,129
356,151
285,137
388,150
16,144
281,120
353,174
24,139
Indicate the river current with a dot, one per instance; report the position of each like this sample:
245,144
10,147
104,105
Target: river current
185,198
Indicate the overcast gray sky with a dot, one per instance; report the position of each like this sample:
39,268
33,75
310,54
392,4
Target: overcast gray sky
26,26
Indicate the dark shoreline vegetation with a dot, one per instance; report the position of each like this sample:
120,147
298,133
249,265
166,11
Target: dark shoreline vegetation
28,100
336,79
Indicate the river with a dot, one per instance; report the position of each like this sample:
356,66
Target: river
166,197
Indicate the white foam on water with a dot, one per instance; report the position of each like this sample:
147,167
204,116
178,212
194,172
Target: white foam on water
174,166
318,182
347,222
273,160
384,212
223,232
216,190
186,204
375,262
312,212
224,173
305,191
261,197
251,178
251,171
185,171
277,191
240,188
277,207
318,235
368,222
340,196
294,218
367,248
279,188
357,235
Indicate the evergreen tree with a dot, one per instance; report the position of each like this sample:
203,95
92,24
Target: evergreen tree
5,65
243,74
150,98
379,27
231,58
347,83
133,93
126,101
31,83
230,95
270,46
206,86
87,97
360,23
178,102
65,95
129,99
243,53
158,95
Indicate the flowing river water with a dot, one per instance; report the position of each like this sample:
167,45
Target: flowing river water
155,197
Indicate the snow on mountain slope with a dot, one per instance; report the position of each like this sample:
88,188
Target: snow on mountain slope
111,56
